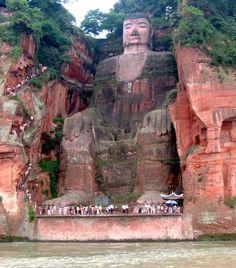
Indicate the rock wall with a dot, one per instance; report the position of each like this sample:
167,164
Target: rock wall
204,119
26,115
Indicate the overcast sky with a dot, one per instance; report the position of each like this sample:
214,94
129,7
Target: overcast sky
80,8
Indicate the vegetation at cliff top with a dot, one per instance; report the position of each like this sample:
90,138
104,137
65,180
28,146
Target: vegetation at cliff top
50,24
211,26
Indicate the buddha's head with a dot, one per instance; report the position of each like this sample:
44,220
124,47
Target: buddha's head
137,33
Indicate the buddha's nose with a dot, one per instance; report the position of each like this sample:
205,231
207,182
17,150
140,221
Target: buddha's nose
135,32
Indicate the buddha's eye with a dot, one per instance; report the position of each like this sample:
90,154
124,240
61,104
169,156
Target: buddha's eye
142,25
128,26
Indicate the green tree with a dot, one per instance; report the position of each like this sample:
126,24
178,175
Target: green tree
14,5
113,23
193,29
92,22
52,168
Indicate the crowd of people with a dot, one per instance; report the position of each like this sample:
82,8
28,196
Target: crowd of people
12,91
159,208
99,210
20,185
18,129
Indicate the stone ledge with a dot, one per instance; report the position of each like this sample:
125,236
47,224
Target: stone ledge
105,216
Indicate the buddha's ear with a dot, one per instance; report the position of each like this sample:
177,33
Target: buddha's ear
151,37
151,32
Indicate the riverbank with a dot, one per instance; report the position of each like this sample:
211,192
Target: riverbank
206,237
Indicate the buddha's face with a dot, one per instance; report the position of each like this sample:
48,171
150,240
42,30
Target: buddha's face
136,32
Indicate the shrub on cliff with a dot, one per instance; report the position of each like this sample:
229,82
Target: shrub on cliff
193,28
50,24
15,52
211,26
31,214
230,202
52,168
37,81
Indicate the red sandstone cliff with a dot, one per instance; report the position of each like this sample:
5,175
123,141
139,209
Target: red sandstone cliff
26,113
204,116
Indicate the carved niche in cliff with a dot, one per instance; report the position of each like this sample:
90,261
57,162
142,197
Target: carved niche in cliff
127,90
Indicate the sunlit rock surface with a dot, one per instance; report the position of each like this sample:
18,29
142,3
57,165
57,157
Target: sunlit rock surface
204,119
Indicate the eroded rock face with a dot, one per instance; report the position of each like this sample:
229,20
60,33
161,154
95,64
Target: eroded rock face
79,68
204,120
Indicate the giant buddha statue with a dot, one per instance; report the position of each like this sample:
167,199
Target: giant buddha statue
129,92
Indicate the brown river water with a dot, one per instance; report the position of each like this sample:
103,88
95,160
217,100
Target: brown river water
96,255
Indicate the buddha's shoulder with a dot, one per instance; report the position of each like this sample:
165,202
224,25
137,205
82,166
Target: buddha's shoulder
108,66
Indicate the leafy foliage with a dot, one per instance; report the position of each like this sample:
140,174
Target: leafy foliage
230,202
92,22
153,7
52,168
58,120
37,81
31,214
50,24
211,26
96,21
15,52
193,29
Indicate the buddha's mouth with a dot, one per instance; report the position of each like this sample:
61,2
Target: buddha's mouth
135,37
135,34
